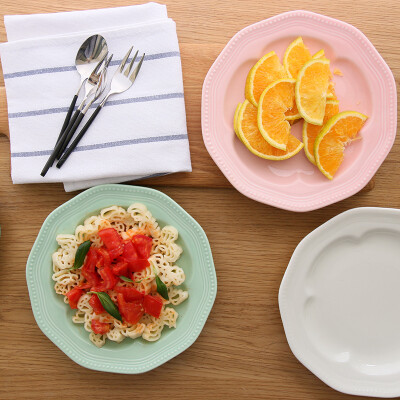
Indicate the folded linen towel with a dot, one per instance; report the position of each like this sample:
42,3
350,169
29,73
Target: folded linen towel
139,133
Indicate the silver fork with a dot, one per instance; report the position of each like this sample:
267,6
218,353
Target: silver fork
121,81
90,90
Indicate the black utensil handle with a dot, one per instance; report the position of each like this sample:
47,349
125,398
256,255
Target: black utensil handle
70,133
78,138
68,116
60,144
68,128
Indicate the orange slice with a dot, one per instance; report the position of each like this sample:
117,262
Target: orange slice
267,70
310,132
296,55
319,54
292,114
331,141
235,117
275,100
251,137
311,90
331,94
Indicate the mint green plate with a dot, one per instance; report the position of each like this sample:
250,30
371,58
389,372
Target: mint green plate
130,356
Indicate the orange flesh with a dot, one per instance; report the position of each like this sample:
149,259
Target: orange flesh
277,102
269,71
298,56
314,130
256,140
331,148
313,89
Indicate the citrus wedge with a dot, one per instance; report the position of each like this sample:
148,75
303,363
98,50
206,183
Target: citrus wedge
235,117
319,54
310,132
311,90
292,114
275,100
254,141
296,55
331,94
267,70
329,145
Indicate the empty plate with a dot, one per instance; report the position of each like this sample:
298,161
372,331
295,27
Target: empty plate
340,302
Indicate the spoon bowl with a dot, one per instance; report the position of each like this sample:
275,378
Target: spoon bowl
91,52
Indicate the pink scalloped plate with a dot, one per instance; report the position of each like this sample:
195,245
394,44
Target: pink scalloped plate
367,86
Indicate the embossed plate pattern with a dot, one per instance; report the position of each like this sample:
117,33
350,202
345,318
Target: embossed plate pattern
340,302
367,86
130,356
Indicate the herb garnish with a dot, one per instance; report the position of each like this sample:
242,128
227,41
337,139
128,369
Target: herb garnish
109,305
81,254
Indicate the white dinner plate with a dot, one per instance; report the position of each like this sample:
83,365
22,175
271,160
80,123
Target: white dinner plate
340,302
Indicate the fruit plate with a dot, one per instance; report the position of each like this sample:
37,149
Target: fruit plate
367,86
130,356
340,302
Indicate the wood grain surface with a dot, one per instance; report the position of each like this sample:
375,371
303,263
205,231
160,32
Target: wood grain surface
242,351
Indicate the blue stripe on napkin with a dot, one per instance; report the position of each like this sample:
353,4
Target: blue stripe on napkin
109,103
119,143
72,68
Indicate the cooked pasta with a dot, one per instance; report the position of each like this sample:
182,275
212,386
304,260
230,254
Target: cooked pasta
136,220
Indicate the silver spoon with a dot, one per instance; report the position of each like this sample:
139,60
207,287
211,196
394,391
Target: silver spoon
91,52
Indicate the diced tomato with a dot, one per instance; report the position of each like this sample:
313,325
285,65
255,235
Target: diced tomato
138,265
96,304
104,259
120,268
109,280
84,286
143,245
153,305
129,254
130,311
73,297
89,268
112,241
98,327
130,293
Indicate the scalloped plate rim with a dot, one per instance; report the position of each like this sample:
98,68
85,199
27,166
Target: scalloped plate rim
268,198
196,328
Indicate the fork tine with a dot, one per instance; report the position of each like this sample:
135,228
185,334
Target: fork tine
100,63
137,69
123,62
129,68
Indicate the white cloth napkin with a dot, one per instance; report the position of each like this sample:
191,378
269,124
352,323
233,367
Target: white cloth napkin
139,133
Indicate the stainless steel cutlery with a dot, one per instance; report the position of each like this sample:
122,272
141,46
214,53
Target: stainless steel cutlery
94,48
121,81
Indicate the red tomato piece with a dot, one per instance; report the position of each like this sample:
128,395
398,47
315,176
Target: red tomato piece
95,303
120,268
89,268
73,297
130,311
98,327
109,280
143,245
130,293
112,241
129,254
104,259
152,305
138,265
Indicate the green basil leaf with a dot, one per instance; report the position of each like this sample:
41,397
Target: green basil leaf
161,288
139,281
109,305
81,254
124,278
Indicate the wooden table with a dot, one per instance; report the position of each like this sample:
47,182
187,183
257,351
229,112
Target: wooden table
242,351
